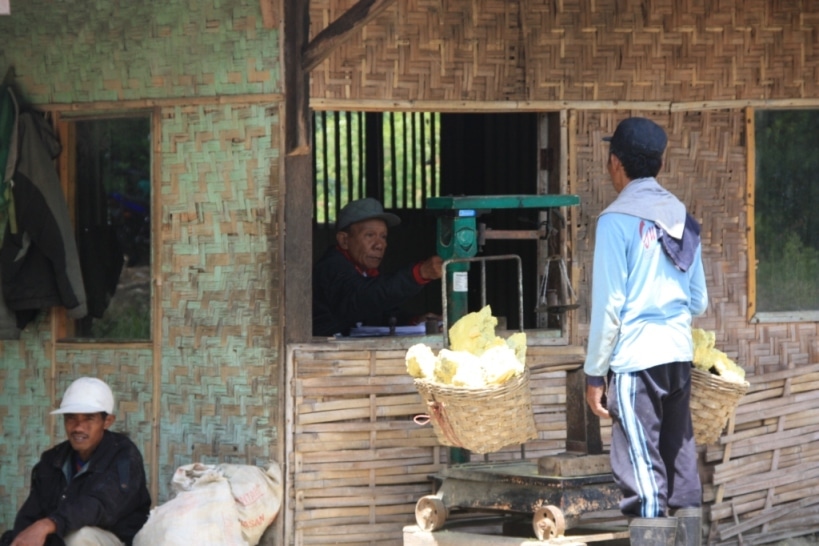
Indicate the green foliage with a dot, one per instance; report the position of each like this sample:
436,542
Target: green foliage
787,277
403,161
412,160
786,198
125,319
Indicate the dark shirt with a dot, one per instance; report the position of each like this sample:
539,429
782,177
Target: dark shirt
110,492
343,296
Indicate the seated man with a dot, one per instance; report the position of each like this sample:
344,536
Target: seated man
347,286
90,489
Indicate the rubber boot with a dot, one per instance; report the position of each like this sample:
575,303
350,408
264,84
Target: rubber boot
689,526
653,531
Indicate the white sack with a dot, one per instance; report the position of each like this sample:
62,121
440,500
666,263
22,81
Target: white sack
258,496
216,505
203,512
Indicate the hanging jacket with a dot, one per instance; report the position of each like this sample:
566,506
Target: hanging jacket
8,157
39,258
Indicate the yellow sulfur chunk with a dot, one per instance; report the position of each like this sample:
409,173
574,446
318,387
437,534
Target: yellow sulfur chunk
517,342
474,332
707,357
459,369
477,358
421,361
500,364
707,340
703,343
726,367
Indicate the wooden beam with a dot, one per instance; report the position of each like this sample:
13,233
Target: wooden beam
341,30
296,82
750,211
392,105
298,174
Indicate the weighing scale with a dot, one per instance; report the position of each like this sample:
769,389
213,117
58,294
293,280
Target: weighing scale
554,490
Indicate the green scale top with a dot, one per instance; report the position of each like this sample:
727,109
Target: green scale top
486,202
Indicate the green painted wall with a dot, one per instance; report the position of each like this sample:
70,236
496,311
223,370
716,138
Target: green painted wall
219,261
77,51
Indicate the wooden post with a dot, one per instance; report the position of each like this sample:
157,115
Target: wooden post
297,182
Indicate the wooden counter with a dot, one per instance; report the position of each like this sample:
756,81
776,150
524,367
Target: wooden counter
356,461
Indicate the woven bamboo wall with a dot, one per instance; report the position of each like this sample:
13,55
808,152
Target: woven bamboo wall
705,167
213,69
494,50
220,270
25,423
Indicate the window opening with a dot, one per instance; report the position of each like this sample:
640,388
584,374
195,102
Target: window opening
403,158
110,165
785,228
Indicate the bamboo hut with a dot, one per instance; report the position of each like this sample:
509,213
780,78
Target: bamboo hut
230,371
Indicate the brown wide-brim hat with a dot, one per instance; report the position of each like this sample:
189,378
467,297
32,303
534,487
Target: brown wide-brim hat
364,209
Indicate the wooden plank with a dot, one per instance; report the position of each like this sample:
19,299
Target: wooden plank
297,126
143,104
341,30
750,199
768,515
413,536
772,479
768,407
447,106
574,464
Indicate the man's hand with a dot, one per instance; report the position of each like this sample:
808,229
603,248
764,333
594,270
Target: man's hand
432,268
36,533
594,397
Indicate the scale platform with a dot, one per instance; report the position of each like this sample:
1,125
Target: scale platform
556,503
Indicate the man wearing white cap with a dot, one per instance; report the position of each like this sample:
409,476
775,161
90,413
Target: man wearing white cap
89,490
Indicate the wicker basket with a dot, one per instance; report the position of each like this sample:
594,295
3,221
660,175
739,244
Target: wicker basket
481,420
713,400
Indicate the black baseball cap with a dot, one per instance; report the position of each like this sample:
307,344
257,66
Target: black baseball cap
638,135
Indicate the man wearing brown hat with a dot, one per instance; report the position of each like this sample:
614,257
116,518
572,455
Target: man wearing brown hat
348,287
647,284
89,490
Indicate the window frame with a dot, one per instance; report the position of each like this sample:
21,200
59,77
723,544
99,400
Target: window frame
555,129
62,326
752,315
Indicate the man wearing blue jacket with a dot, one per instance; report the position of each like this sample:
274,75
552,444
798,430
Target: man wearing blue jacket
647,284
89,490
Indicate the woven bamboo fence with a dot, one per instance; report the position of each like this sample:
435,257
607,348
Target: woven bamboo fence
765,470
358,463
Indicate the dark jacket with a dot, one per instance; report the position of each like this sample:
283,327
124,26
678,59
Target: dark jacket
39,259
110,493
343,297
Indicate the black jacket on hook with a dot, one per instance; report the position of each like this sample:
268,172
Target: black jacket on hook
39,260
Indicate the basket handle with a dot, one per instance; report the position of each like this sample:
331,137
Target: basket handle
438,414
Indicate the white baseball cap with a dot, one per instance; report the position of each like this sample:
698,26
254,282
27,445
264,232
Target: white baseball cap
87,395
